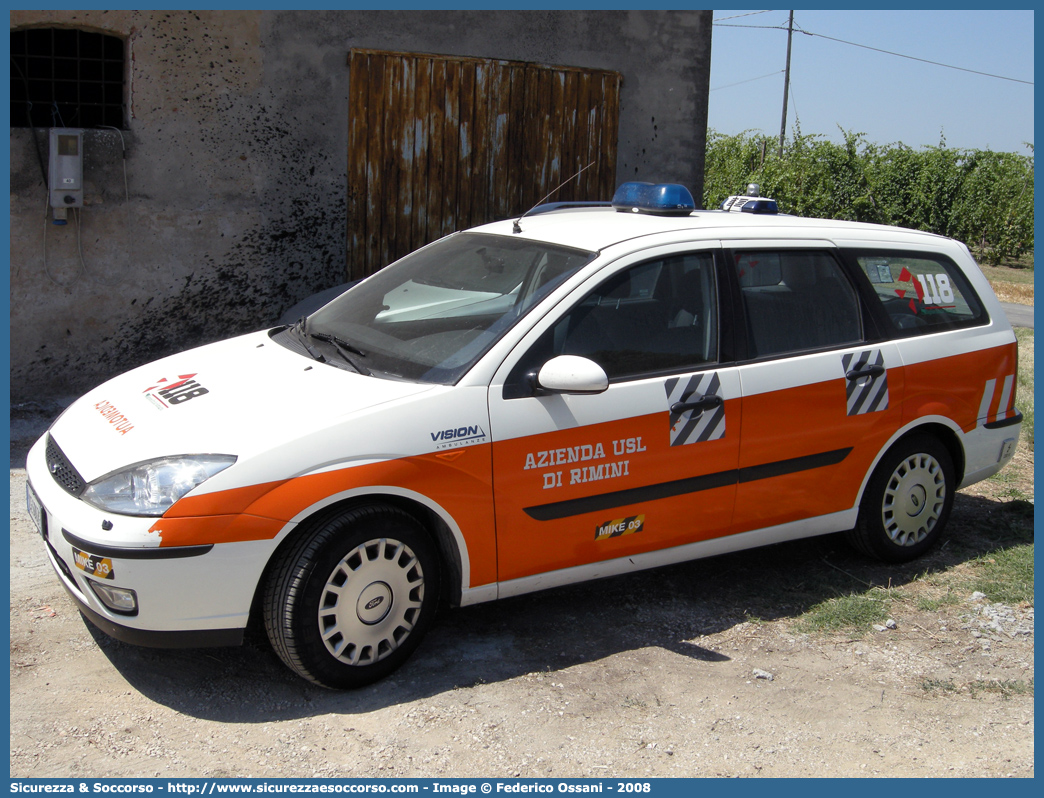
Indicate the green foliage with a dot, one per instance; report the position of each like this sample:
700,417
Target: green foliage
982,198
1024,394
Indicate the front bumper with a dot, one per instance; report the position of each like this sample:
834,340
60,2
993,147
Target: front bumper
189,596
199,638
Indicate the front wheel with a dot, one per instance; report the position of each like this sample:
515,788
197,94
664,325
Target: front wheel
907,501
350,602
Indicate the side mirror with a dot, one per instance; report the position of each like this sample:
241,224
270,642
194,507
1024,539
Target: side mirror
571,374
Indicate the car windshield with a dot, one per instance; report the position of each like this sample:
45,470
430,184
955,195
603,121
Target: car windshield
431,315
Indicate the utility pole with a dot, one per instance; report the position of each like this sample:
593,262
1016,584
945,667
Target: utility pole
786,84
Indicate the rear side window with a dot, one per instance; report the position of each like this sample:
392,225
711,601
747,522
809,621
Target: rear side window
920,293
796,301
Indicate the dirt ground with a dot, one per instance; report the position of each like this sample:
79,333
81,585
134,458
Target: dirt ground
697,669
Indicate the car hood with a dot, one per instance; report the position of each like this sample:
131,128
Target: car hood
241,397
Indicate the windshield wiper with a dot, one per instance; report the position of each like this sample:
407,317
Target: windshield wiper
333,339
301,328
343,349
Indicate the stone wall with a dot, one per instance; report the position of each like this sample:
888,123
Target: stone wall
236,158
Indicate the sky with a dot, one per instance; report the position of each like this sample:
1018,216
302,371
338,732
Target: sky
888,98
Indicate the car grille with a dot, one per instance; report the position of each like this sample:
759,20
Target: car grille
62,470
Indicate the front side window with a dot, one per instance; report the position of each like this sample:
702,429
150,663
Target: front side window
430,316
659,316
796,301
920,293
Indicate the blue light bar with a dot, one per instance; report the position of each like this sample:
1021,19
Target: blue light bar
748,204
667,199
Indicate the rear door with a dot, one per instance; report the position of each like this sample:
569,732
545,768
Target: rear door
647,464
821,390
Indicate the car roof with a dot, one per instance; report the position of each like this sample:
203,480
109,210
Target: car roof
595,229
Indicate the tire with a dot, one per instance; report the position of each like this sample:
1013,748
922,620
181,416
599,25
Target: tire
349,602
907,501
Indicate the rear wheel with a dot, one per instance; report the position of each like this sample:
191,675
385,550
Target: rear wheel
907,501
350,602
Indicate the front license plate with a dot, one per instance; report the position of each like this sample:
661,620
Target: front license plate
92,564
35,510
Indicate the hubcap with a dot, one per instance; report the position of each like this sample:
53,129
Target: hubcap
374,603
913,499
371,601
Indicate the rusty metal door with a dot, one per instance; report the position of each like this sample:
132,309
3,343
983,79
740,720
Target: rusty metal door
439,143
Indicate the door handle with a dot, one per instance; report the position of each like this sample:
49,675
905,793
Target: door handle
705,402
865,371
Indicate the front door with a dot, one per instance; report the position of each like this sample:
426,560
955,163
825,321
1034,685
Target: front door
647,464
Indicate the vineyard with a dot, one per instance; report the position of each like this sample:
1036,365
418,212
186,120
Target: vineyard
980,197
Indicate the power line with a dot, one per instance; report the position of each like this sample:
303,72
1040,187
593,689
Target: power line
739,16
879,50
749,80
759,27
923,61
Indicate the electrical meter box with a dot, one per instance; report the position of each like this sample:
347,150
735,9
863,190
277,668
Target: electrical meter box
65,167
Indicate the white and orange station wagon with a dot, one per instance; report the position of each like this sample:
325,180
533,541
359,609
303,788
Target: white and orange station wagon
582,392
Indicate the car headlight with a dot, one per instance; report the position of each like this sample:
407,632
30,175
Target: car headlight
150,488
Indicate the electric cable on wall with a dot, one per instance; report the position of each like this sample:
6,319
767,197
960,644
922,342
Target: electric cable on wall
47,270
78,221
123,145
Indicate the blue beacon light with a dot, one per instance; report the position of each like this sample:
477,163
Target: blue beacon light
669,199
751,202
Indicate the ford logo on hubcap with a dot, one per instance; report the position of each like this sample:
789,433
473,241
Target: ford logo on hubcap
374,602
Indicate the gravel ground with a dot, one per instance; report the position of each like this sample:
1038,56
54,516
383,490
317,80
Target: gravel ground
691,670
663,673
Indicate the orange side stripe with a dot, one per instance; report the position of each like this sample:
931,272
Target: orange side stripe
215,529
462,486
235,500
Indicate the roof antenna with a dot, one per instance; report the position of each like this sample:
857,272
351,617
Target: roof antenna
515,228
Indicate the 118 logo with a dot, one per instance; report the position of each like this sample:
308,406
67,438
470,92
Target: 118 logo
166,393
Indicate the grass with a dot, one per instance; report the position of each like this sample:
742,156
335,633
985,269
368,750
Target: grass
1006,687
1003,687
1013,281
939,686
1024,382
853,613
1005,576
934,600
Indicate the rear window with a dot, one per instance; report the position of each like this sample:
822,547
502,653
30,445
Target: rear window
920,293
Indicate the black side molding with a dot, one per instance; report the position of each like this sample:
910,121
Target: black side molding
680,487
157,553
1005,422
